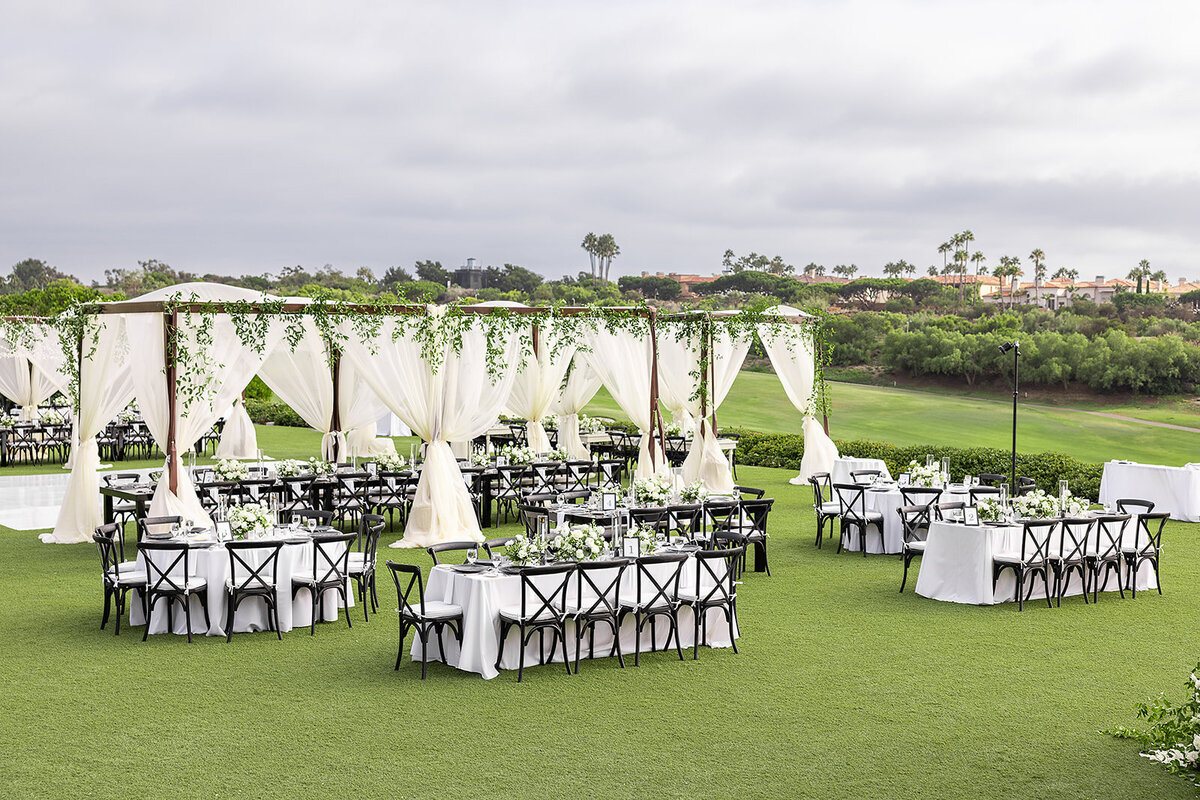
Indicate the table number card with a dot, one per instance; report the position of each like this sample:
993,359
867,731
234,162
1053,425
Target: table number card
629,547
224,531
608,501
970,516
905,478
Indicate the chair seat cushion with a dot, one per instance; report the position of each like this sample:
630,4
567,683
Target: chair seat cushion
1014,558
436,609
916,546
658,605
194,584
831,508
870,516
514,613
129,574
686,596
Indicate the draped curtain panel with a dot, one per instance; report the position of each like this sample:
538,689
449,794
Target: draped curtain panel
791,354
361,408
537,386
623,362
580,387
16,386
458,402
303,378
238,437
106,386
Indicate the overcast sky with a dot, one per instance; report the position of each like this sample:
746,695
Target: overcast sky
247,136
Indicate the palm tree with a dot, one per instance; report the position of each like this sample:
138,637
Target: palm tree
961,256
944,248
910,269
1010,266
1142,270
589,244
1039,271
1160,276
978,258
933,270
606,249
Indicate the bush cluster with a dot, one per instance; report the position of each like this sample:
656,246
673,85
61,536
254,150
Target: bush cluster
268,412
787,449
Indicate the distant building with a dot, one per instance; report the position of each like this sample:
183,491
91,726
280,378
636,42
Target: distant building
470,275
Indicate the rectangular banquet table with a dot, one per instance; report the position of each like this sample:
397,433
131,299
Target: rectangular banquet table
210,561
483,594
957,565
1175,490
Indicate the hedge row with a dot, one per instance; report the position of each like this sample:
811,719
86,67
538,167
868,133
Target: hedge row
786,450
269,412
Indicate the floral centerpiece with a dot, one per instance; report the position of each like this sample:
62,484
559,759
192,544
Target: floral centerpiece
558,454
580,543
694,492
480,457
550,421
922,475
990,509
1173,738
518,455
228,469
6,421
647,536
524,551
249,517
320,467
673,428
591,424
652,491
127,415
1071,506
1036,505
290,468
52,418
390,462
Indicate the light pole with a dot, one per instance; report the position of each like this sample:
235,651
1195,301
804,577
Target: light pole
1015,346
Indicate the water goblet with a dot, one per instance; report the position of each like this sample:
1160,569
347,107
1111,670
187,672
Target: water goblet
312,525
472,555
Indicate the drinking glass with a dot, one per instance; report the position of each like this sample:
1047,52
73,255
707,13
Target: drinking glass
472,554
189,524
1063,489
174,530
312,525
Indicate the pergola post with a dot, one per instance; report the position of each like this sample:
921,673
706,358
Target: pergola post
170,324
335,417
655,417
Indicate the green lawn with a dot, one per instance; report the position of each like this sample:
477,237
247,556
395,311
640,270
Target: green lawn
843,689
757,402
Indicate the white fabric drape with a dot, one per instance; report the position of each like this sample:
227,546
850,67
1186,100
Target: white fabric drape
303,379
238,437
16,386
106,386
360,409
792,356
536,387
227,366
623,362
580,387
456,403
678,373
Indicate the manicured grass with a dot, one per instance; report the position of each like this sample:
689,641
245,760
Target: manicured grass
757,402
843,689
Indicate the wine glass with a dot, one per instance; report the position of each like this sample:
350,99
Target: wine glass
312,525
472,554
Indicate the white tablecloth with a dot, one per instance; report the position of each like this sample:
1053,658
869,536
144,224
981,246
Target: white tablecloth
212,564
1175,490
842,467
957,565
482,596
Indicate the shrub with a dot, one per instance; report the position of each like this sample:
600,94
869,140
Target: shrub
265,412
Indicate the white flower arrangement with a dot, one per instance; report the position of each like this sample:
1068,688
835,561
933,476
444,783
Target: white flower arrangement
652,491
695,492
591,424
990,509
921,475
7,422
127,415
245,518
1036,505
558,454
647,536
1071,506
673,428
580,543
1173,738
52,418
480,457
524,551
228,469
290,468
390,462
518,455
319,467
550,421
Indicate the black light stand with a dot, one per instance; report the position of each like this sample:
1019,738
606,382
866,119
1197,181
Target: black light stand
1015,346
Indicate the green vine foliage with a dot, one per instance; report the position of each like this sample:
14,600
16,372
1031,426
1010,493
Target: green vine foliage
438,331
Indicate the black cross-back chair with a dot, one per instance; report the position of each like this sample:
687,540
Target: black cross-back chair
294,493
949,512
919,495
123,511
597,601
864,475
825,504
914,521
509,486
1131,505
1033,560
1025,485
1103,553
1147,543
609,473
853,501
686,521
393,492
147,525
118,576
324,519
1067,554
421,615
544,477
749,492
984,492
349,496
578,476
173,582
992,479
330,559
493,546
530,514
451,547
361,564
721,517
542,608
253,572
655,517
655,596
720,567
